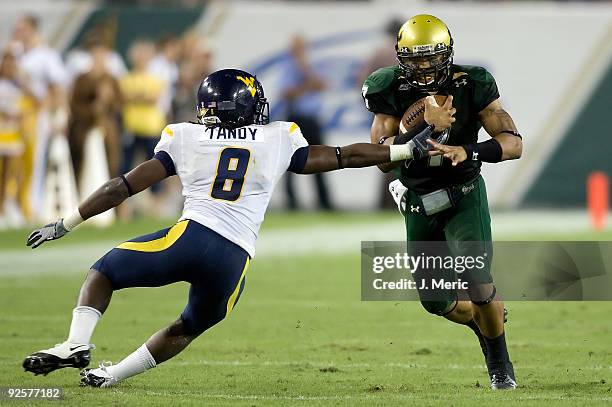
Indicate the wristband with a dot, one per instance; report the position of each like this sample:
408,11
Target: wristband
489,151
127,184
399,152
72,221
339,157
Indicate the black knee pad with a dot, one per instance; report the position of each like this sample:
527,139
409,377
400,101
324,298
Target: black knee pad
440,308
483,299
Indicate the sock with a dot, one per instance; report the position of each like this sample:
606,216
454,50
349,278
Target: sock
497,352
84,320
135,363
474,327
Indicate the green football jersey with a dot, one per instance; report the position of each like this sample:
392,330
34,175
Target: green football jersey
472,87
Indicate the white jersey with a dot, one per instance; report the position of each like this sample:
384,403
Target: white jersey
44,67
228,176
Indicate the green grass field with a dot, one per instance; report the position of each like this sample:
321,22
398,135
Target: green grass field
300,333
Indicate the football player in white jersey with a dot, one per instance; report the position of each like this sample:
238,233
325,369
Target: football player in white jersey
228,162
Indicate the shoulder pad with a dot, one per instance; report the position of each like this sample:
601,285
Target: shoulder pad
380,80
169,130
286,127
172,129
476,73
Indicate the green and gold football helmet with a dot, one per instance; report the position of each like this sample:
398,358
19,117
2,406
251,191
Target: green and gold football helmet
425,52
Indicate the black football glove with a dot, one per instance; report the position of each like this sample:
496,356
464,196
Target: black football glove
51,231
419,145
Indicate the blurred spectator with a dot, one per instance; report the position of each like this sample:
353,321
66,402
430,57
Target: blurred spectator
80,60
198,63
143,119
95,102
47,78
41,63
13,90
300,88
383,56
164,66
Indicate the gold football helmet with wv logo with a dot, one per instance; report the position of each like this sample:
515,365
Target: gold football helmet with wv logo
425,52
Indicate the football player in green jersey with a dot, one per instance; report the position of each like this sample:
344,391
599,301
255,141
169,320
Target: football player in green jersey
445,197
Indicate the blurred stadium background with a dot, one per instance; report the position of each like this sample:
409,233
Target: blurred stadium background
72,71
554,75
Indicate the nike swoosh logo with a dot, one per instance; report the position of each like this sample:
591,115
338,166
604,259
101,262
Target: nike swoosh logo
76,347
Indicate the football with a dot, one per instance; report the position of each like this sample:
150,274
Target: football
414,115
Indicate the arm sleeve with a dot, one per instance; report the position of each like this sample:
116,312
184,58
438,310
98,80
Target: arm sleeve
165,149
294,149
298,161
485,89
164,158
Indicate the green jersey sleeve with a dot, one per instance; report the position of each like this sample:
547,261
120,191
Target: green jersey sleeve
376,92
485,88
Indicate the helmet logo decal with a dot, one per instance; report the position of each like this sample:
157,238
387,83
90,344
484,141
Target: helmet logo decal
423,48
249,82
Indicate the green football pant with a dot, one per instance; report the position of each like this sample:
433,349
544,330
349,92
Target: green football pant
466,229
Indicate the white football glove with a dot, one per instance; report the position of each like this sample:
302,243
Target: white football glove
398,190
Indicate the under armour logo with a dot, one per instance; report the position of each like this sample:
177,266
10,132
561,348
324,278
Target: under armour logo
467,189
461,82
474,156
414,209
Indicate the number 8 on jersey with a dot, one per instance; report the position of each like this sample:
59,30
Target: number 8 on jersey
231,170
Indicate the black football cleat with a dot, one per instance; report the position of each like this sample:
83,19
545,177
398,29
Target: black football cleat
61,356
510,370
501,380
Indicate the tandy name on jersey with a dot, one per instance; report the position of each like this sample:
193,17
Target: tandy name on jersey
249,133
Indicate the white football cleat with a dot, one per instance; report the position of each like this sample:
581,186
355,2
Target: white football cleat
60,356
98,377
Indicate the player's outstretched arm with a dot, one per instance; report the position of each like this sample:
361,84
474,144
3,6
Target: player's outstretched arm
326,158
108,196
383,131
